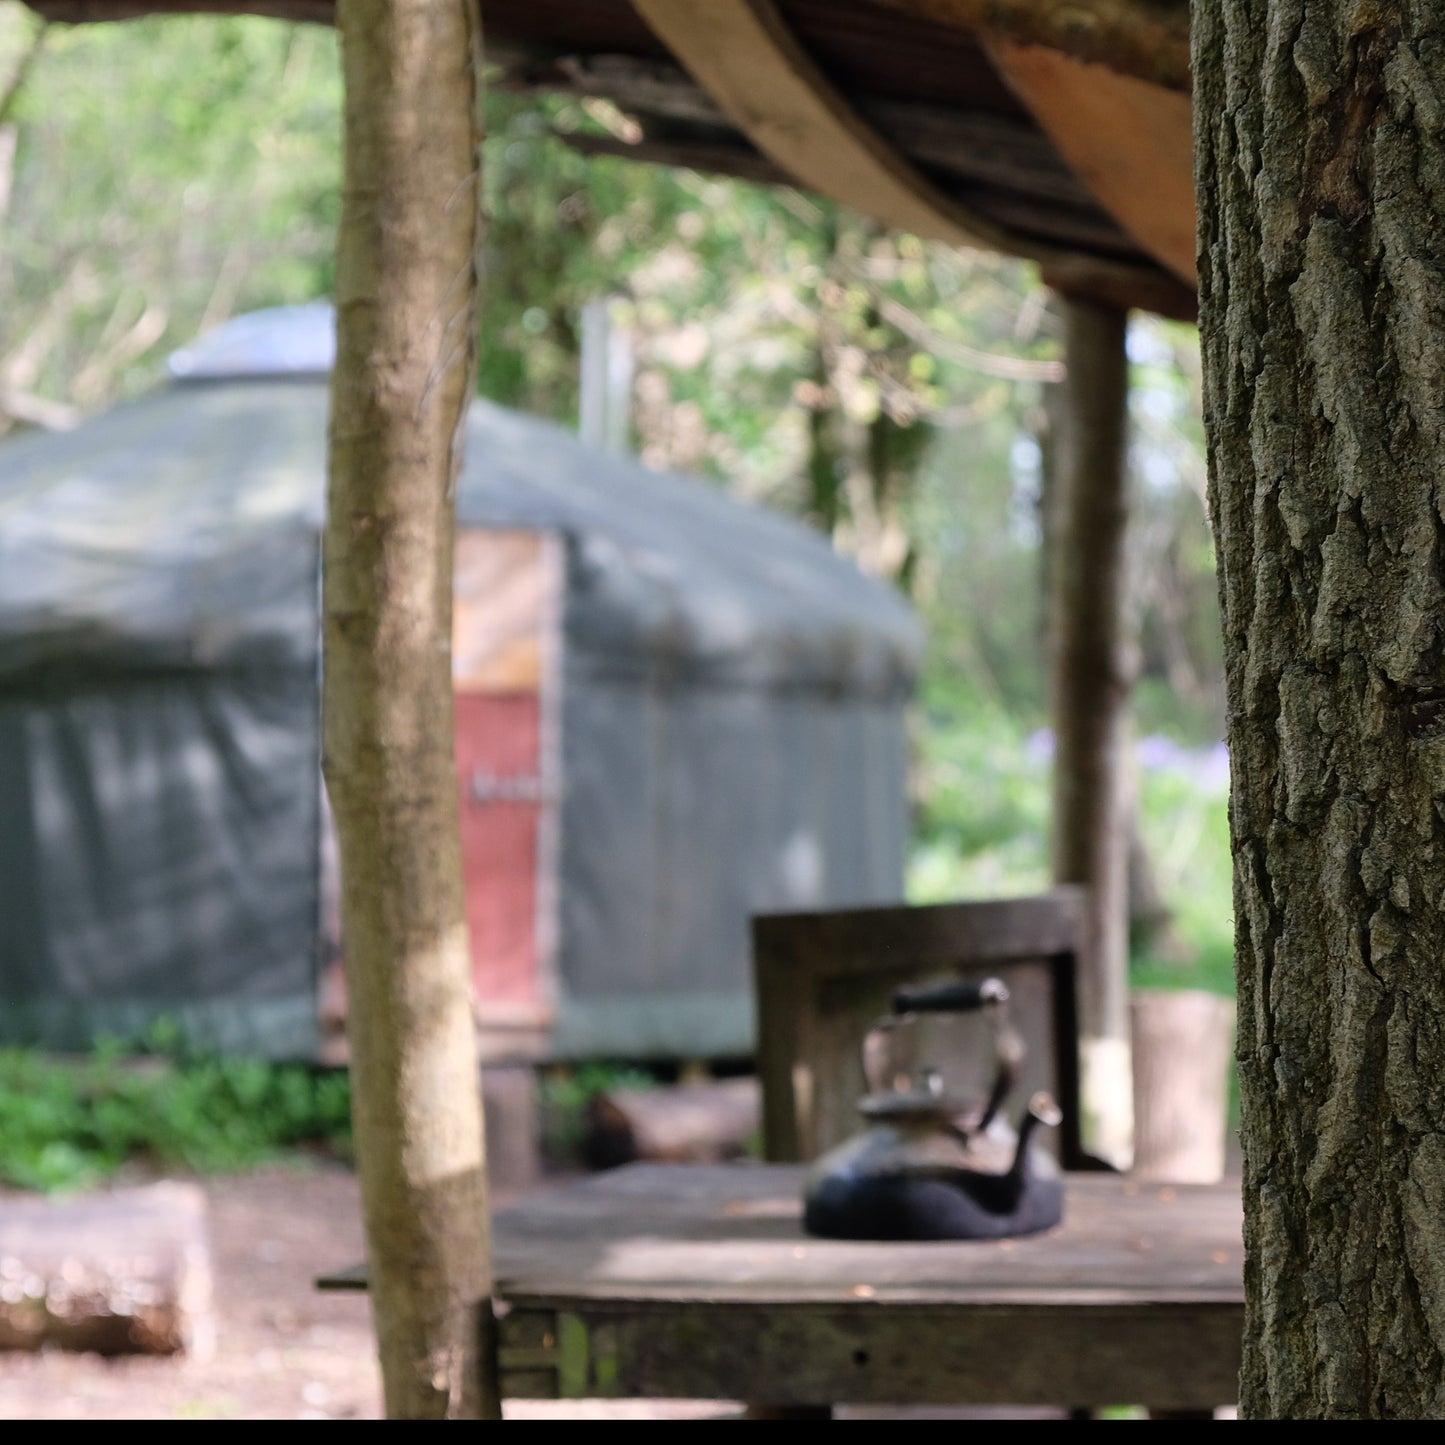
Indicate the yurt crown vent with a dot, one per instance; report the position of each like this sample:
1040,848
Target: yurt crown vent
282,341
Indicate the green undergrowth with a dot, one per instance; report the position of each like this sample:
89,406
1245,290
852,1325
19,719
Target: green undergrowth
982,831
68,1122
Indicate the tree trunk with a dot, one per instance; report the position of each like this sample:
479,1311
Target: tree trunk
406,303
1151,919
1321,174
1093,670
825,485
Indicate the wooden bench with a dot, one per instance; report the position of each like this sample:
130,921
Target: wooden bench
821,979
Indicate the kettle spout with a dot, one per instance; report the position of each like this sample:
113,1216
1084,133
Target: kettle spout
1019,1194
1041,1110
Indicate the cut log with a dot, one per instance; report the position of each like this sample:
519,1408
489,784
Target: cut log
126,1271
700,1123
1182,1043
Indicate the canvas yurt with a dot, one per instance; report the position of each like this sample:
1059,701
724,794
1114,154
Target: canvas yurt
672,711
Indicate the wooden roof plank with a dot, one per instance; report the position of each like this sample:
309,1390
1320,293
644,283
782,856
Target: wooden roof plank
970,145
1146,39
1131,142
744,55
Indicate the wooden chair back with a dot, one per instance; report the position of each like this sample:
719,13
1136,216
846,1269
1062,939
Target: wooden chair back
821,979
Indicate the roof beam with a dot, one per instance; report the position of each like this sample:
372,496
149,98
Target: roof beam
967,145
1130,142
1146,39
745,56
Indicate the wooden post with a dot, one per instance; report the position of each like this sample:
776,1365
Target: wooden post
1183,1043
406,287
1092,665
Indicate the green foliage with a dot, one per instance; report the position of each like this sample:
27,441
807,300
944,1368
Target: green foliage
983,826
784,347
1186,833
70,1122
563,229
167,173
983,830
1176,594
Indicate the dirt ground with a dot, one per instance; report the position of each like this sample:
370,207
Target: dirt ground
284,1350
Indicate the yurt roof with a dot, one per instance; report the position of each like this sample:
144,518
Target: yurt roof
181,530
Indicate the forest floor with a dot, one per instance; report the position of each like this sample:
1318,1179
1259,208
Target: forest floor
284,1350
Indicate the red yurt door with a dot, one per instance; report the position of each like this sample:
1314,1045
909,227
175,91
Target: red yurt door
503,643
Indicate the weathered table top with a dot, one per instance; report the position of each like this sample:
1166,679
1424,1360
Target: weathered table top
699,1281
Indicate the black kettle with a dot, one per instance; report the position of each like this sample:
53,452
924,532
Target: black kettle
930,1166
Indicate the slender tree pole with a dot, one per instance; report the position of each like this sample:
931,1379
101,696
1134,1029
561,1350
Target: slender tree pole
1320,165
406,321
1093,667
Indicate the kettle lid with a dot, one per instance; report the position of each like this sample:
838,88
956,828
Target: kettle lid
920,1095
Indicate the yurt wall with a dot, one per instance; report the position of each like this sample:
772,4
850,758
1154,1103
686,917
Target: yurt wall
672,711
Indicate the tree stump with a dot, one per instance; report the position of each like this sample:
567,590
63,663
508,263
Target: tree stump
1182,1046
119,1272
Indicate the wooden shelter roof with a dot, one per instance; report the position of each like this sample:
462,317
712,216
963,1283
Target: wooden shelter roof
1056,133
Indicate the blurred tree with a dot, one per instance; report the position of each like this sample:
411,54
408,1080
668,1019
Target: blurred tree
1092,655
1174,584
200,178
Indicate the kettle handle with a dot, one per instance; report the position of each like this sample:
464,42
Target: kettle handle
950,997
989,995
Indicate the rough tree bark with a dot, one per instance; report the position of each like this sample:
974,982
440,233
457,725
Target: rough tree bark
406,303
1093,665
1320,160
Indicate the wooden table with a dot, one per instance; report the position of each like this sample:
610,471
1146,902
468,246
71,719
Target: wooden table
682,1281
